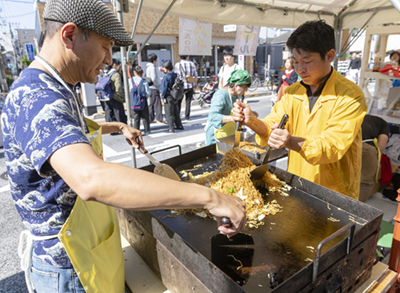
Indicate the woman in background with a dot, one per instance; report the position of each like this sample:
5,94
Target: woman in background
137,73
286,78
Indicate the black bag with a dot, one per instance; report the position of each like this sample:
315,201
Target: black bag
177,89
149,81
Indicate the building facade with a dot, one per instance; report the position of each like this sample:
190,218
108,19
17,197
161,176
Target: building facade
165,40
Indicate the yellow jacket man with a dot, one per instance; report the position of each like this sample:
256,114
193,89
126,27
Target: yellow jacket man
323,133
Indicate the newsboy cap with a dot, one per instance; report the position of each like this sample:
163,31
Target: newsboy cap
90,14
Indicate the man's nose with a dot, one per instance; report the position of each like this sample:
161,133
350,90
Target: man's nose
299,68
108,57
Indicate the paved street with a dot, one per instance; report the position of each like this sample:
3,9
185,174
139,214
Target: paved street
116,150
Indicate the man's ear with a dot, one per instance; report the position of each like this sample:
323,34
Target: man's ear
68,34
330,56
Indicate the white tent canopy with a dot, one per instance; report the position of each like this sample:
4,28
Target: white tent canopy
341,14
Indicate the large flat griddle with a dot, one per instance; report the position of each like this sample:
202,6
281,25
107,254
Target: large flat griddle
283,256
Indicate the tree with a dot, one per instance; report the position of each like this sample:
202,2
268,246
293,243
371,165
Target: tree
25,62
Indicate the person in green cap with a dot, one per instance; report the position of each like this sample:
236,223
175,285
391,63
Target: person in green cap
220,122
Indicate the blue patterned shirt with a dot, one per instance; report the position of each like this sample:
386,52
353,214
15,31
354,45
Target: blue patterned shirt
38,118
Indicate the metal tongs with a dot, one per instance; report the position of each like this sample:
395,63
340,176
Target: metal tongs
259,172
238,129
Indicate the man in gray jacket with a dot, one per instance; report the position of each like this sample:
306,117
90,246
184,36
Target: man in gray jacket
155,106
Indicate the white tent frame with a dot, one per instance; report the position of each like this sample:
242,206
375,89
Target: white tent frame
351,14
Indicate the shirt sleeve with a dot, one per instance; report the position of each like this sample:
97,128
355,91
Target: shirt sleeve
164,87
146,88
218,110
385,128
47,121
194,70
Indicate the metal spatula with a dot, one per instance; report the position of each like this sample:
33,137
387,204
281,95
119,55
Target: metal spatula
259,172
160,168
168,172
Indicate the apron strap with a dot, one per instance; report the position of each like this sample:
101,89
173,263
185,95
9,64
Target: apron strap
26,238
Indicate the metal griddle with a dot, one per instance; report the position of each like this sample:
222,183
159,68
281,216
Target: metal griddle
279,260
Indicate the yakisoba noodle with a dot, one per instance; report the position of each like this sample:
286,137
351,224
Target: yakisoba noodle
251,147
233,177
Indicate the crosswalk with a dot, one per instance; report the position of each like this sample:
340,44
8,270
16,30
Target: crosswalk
190,138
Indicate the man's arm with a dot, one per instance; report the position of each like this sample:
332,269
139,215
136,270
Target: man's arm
382,142
129,188
133,136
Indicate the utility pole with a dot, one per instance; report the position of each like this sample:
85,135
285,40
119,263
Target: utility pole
121,6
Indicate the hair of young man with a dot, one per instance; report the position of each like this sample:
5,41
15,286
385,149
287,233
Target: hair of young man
183,57
52,27
138,70
168,65
152,57
227,51
313,37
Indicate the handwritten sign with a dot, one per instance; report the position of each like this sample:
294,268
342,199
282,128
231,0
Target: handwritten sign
246,40
194,37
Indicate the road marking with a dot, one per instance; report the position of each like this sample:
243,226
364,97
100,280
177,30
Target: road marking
5,188
108,152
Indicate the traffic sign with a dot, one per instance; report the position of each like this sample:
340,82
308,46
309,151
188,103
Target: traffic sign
30,51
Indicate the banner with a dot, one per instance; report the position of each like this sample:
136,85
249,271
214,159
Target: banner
246,40
194,37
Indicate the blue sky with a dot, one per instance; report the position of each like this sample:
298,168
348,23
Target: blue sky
18,11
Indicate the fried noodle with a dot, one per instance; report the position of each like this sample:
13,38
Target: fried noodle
233,177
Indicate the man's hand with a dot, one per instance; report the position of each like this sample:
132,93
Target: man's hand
279,137
229,206
132,135
242,112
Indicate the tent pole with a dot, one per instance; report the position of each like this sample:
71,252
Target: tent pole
337,39
134,28
154,29
355,38
118,8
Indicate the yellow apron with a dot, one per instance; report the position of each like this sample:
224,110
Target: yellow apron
92,240
228,129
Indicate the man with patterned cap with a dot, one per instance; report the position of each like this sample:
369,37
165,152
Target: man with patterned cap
62,189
